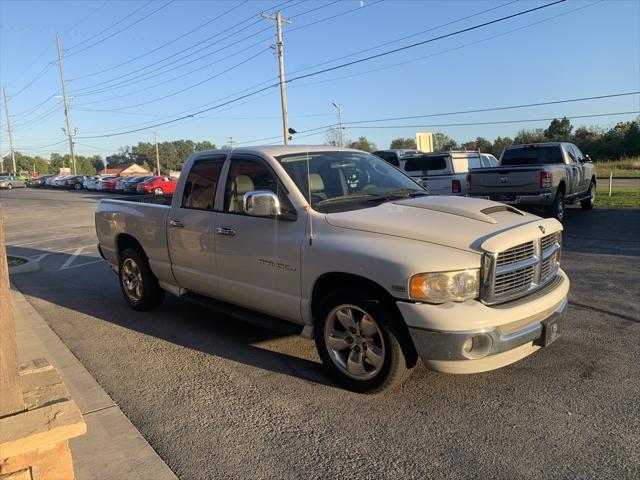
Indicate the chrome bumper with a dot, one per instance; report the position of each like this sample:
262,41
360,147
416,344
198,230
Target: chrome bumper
483,343
541,199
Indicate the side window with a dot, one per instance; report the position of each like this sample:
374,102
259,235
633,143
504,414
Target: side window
474,162
572,155
247,174
579,154
200,187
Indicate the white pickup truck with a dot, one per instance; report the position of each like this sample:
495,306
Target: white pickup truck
374,268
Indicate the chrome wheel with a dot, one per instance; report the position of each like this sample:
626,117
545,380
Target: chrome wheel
354,342
158,191
131,278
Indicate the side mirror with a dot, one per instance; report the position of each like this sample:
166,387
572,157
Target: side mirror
261,203
587,158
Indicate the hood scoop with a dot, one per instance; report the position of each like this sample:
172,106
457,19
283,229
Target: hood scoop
460,206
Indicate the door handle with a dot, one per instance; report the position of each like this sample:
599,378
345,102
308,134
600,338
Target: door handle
176,223
229,232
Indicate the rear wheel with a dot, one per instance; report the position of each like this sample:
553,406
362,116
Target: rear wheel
588,203
77,186
557,207
158,191
356,345
138,283
9,186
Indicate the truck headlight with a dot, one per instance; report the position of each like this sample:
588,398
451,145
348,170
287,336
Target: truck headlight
444,287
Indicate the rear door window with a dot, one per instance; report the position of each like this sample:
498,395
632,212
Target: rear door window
532,155
390,157
200,187
425,164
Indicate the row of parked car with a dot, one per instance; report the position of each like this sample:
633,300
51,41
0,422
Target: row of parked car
145,184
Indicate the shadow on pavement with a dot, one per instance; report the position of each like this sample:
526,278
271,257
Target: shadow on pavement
175,320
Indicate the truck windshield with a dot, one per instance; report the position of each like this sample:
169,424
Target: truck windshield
532,155
344,177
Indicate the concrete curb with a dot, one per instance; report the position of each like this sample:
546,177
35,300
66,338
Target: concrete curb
29,266
112,447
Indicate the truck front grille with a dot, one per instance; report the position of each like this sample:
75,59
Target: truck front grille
520,269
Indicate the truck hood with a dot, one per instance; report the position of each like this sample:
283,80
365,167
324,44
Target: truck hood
459,222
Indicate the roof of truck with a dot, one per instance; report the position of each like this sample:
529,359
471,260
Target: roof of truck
276,150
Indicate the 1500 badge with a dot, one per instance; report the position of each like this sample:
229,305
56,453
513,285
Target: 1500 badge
281,266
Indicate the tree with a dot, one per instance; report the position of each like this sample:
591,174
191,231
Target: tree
559,130
442,142
403,143
479,143
362,144
499,144
530,136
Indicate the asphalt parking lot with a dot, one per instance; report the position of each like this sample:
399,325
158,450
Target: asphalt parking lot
221,398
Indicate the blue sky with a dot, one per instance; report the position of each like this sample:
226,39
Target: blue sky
573,49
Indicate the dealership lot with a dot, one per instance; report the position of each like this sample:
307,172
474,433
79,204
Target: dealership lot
218,399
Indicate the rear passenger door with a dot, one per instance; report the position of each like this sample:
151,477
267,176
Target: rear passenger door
191,228
574,170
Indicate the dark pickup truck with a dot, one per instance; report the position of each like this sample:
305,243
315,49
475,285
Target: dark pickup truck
548,175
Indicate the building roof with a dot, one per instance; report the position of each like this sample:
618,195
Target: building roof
118,169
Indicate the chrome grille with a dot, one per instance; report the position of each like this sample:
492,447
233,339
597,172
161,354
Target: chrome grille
549,240
514,281
521,269
516,254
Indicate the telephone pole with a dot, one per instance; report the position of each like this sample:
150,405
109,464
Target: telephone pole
279,49
9,131
155,136
66,104
339,108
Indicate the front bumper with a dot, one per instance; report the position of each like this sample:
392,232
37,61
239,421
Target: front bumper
470,337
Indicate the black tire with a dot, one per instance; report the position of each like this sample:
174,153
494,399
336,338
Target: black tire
150,293
77,186
588,203
393,370
557,208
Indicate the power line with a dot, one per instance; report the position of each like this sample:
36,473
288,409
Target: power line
424,42
113,67
38,76
319,72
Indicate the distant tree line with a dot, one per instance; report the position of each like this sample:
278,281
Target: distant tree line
623,140
172,156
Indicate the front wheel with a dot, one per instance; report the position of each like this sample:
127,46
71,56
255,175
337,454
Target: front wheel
356,345
9,187
77,186
588,203
557,207
138,283
158,191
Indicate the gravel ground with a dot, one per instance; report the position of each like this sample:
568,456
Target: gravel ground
221,398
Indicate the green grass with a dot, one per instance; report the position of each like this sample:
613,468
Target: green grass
620,198
623,168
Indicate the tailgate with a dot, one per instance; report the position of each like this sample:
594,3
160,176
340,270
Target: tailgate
505,180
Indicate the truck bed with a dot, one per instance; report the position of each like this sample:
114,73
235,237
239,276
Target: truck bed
154,199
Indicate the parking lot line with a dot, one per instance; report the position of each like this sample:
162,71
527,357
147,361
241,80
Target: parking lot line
81,265
70,260
53,239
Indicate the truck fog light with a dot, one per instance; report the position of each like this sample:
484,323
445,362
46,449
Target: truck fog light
477,346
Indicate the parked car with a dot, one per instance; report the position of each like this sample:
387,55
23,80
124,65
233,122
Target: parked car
446,173
90,182
549,175
378,271
40,181
109,184
49,181
395,155
73,182
131,185
12,181
101,182
158,185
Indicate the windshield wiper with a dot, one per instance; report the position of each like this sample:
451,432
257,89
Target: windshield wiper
400,193
345,197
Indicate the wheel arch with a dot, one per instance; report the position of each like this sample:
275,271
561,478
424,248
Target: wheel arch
332,281
562,187
124,241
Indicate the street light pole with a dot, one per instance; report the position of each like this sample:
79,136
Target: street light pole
10,131
339,108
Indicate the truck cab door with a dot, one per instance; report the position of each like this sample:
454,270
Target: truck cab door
258,258
191,227
573,171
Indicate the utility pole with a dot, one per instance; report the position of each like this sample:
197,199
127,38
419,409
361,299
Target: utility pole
339,108
231,143
155,136
283,91
66,104
10,131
